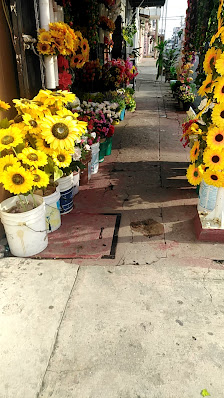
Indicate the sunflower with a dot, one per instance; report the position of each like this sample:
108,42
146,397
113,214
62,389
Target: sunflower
40,178
7,161
60,133
44,48
10,137
214,159
219,90
69,41
214,178
215,138
17,180
219,65
31,124
76,61
79,35
62,158
31,107
45,37
33,157
218,115
43,146
84,46
210,59
64,112
194,174
4,106
206,86
194,152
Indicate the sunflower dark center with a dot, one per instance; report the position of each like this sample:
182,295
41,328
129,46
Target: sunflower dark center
219,137
33,123
76,60
212,61
60,131
44,47
33,157
18,179
214,177
7,139
36,178
222,90
84,47
46,145
61,157
215,159
195,173
6,166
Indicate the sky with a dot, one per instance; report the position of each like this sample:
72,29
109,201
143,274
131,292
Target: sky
175,8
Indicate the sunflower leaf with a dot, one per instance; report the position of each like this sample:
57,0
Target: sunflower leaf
58,173
205,393
4,124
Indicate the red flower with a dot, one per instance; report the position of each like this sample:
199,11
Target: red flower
62,63
65,80
110,131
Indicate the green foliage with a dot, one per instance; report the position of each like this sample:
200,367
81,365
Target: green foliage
159,63
129,32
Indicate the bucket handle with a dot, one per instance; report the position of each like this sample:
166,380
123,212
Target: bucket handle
23,224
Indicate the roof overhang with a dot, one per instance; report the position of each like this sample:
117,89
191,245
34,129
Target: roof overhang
147,3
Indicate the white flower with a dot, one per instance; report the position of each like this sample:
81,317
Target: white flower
87,147
109,114
202,104
93,135
84,103
77,154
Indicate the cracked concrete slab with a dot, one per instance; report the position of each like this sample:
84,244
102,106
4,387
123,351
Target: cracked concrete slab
149,331
34,294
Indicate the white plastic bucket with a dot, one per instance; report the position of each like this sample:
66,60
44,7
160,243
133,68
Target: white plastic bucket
95,148
66,191
26,232
53,215
207,197
76,177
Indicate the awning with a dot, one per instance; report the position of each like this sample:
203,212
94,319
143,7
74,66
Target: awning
147,3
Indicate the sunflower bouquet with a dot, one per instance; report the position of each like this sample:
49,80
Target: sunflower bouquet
39,142
63,40
205,134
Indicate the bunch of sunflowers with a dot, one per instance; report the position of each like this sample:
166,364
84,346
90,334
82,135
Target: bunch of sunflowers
39,142
205,134
61,39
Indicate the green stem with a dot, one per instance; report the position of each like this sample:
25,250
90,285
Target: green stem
34,200
22,203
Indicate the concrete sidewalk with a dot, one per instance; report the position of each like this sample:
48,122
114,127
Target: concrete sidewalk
148,324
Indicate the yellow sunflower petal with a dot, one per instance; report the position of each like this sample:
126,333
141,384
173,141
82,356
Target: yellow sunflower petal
33,157
214,159
194,152
17,180
215,138
214,178
194,174
218,115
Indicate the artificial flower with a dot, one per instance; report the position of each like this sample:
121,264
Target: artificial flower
40,178
219,90
206,86
10,138
219,65
62,158
17,180
218,115
194,153
194,174
214,159
43,146
45,37
214,178
60,133
7,161
44,48
215,138
4,106
211,57
33,157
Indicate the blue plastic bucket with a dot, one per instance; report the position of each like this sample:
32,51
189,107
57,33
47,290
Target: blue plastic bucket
66,191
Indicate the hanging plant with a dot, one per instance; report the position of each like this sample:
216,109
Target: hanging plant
129,32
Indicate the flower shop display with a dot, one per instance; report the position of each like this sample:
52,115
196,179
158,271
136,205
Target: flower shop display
205,134
117,73
106,23
89,77
65,78
35,147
